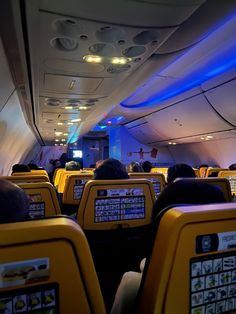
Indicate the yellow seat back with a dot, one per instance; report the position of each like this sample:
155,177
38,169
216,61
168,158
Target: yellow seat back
231,176
88,169
57,175
210,170
39,172
197,172
62,179
157,179
47,267
192,267
221,183
111,204
74,186
202,172
25,178
161,170
43,199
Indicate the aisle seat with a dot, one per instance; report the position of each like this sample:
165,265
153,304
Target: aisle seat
62,179
192,266
43,199
116,218
47,267
74,186
57,175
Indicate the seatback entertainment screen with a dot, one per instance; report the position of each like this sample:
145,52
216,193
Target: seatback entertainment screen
119,204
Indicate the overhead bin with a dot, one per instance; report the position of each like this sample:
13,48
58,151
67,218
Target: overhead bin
187,118
222,98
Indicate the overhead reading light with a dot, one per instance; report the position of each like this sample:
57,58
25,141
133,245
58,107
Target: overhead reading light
207,138
65,134
63,139
83,107
59,123
58,133
68,107
119,60
92,59
69,123
56,140
75,120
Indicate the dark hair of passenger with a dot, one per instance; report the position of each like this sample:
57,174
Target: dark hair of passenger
232,167
33,166
72,165
180,171
14,203
110,169
186,191
20,168
147,166
134,167
203,166
56,163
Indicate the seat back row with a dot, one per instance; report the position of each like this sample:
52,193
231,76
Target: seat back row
191,269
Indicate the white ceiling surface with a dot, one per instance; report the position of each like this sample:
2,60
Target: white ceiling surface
54,68
157,31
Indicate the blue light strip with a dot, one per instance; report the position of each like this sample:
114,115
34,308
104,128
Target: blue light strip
219,64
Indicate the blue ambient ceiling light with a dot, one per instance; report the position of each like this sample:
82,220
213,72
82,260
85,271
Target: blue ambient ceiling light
219,61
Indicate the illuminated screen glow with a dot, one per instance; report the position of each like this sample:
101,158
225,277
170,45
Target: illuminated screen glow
77,154
119,208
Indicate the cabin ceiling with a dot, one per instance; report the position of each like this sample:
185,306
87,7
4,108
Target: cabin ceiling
157,95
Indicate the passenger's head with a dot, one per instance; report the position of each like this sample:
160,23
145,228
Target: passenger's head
203,166
134,167
20,168
98,163
180,171
110,169
232,167
56,163
33,166
147,166
14,203
72,165
188,192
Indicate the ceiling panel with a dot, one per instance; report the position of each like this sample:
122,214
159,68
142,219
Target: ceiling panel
188,118
71,84
137,13
223,99
6,86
